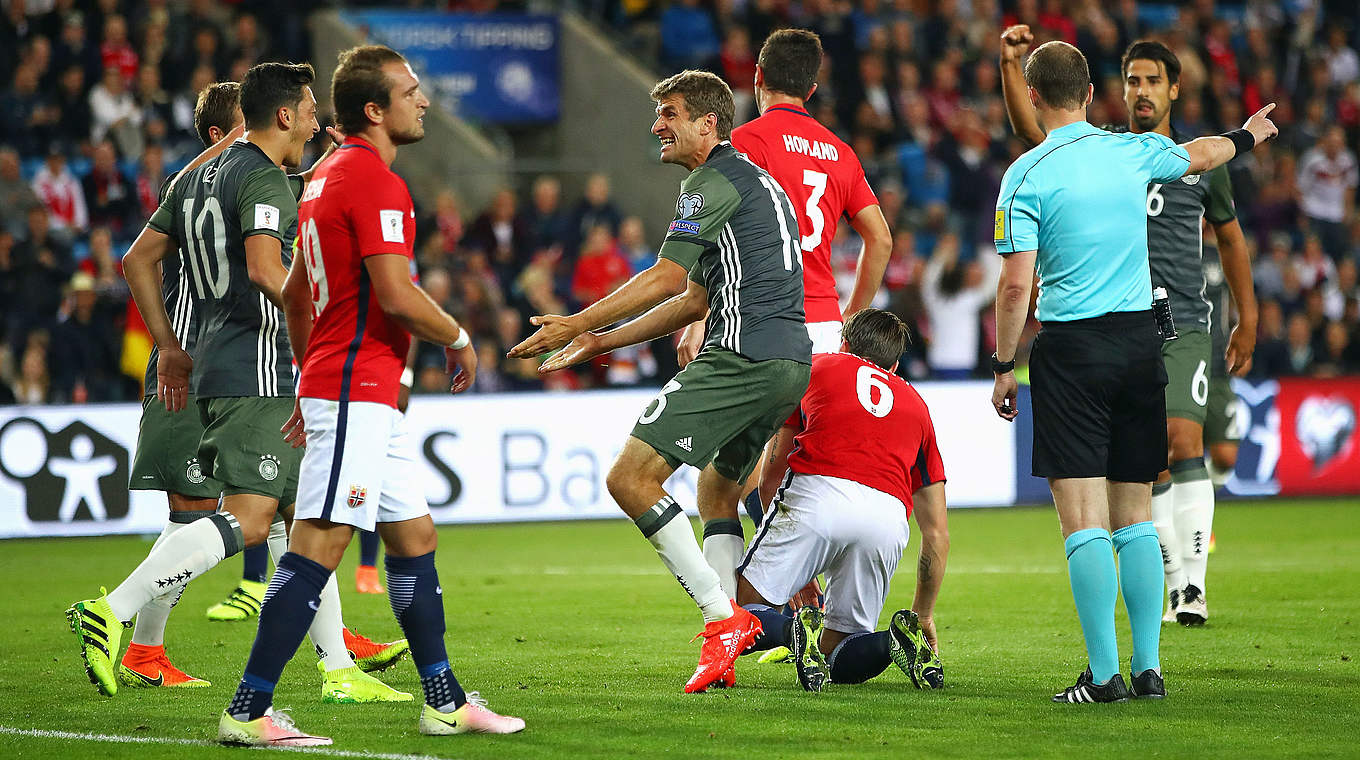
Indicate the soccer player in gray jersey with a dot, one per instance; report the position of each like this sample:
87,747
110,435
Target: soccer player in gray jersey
1183,497
1226,418
735,239
234,217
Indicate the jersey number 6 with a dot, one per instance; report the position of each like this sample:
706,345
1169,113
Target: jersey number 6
867,379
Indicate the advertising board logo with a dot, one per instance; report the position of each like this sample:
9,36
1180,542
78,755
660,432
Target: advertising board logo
1325,426
76,473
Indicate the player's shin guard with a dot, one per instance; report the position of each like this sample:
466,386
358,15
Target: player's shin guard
1193,497
277,540
151,618
289,605
1090,568
667,527
328,629
1141,584
1164,519
860,657
723,547
775,628
190,552
417,602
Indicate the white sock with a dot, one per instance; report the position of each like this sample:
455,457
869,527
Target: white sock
193,550
1194,517
152,617
667,527
327,629
1163,519
723,547
277,541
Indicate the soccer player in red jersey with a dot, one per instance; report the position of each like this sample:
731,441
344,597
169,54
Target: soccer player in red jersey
822,177
861,453
356,224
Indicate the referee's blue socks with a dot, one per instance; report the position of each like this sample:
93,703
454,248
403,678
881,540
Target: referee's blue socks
1090,567
1140,579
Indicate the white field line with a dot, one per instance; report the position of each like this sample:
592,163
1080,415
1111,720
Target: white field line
39,733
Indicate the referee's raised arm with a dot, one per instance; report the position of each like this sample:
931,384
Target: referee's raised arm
1073,210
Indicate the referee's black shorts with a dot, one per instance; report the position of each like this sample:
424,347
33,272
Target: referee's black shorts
1099,402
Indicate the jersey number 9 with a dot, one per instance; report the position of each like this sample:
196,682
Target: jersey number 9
316,269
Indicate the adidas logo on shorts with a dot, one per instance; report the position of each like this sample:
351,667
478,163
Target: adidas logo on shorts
686,443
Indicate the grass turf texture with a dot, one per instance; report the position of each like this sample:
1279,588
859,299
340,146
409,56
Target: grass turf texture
577,628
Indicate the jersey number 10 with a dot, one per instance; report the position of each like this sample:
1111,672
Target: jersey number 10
206,254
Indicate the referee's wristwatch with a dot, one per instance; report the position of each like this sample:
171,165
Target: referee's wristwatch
999,367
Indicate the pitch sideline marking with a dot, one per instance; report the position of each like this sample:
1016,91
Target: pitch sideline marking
40,733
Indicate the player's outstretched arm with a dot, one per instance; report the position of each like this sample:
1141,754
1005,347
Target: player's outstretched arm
1232,253
1212,152
933,522
666,318
1015,42
141,267
646,289
872,228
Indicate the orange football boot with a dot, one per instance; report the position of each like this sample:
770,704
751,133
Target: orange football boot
148,667
723,641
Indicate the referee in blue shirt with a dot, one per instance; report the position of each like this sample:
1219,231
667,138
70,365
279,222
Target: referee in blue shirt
1072,209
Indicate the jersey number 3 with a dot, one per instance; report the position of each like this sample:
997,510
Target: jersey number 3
816,181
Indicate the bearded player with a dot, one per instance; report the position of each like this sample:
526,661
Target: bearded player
1183,496
356,224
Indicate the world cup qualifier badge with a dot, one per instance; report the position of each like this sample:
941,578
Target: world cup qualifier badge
357,496
269,466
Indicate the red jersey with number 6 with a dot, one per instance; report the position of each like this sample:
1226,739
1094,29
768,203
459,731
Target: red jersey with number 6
860,422
354,207
822,177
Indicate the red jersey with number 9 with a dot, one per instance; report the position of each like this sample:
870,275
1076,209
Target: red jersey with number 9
822,177
860,422
354,207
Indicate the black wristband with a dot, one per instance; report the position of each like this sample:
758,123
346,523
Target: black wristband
1000,368
1242,140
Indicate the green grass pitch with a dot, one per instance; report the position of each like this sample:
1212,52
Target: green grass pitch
578,628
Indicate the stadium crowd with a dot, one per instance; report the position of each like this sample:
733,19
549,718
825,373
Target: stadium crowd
98,98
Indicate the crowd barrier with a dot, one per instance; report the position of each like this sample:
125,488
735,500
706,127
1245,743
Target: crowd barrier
515,457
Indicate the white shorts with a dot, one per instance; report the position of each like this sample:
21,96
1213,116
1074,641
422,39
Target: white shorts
363,473
818,524
825,336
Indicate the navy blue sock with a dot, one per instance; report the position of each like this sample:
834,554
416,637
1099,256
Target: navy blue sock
255,561
368,548
775,628
753,507
417,602
860,657
289,607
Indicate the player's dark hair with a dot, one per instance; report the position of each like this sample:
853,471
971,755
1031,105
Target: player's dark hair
267,87
359,80
1151,50
1058,72
216,107
705,93
790,59
876,335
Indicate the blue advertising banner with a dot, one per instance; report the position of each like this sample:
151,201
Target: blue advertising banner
495,67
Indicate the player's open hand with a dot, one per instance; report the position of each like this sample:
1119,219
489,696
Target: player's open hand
1015,42
1261,127
1241,345
808,596
173,368
691,341
585,346
462,364
294,431
1004,392
554,332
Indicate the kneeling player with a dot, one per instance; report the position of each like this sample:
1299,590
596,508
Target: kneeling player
860,448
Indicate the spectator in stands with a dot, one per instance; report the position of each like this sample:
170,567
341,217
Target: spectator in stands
1328,175
549,223
954,292
599,269
84,356
115,51
689,38
43,265
1341,290
633,245
16,195
738,63
150,174
595,209
73,48
249,42
151,97
1298,345
206,51
60,191
115,113
31,387
1343,65
26,113
109,196
105,268
1333,355
72,106
502,234
183,102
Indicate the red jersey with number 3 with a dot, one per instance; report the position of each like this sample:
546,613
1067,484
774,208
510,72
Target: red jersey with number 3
354,207
822,177
860,422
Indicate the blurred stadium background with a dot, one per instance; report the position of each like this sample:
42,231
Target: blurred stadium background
538,191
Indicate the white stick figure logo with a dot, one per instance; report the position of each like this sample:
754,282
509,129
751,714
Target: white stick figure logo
82,472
